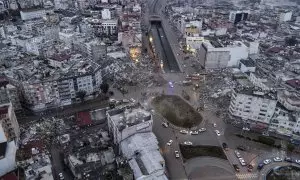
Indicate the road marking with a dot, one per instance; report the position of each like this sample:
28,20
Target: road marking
247,176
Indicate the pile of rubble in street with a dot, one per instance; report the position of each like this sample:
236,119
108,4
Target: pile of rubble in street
126,72
216,90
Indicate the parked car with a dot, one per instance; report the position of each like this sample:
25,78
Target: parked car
277,159
194,132
242,161
260,166
249,168
214,125
225,146
171,85
236,167
202,129
297,161
170,142
288,159
183,131
165,124
61,176
176,154
188,143
238,154
267,161
242,148
218,132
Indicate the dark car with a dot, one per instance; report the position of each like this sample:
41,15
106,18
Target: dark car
288,159
249,167
236,167
225,146
242,148
260,166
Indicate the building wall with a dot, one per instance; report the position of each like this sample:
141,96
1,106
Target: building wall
236,54
285,16
14,97
28,15
106,14
244,68
253,108
128,131
85,83
10,124
258,82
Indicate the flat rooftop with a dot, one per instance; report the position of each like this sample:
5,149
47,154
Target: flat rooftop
129,116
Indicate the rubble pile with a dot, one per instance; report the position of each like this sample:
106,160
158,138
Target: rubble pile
43,130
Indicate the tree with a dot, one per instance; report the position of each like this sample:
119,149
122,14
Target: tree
81,94
290,147
104,87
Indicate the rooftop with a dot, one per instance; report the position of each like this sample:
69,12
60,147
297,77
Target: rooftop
38,166
129,116
143,150
248,63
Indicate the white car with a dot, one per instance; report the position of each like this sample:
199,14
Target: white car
183,131
202,129
171,85
267,161
165,125
242,161
297,161
61,176
214,125
277,159
194,132
176,154
238,154
170,142
218,132
188,143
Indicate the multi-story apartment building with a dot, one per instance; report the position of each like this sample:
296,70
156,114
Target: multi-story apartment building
128,120
251,106
8,118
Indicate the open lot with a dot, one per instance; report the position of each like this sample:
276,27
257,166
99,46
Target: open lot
189,152
177,111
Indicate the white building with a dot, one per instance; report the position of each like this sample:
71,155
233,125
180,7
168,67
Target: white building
252,106
247,65
261,82
191,27
283,122
37,167
61,4
96,50
8,120
125,121
106,14
8,151
66,36
142,152
32,14
290,100
285,16
110,26
193,43
214,54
